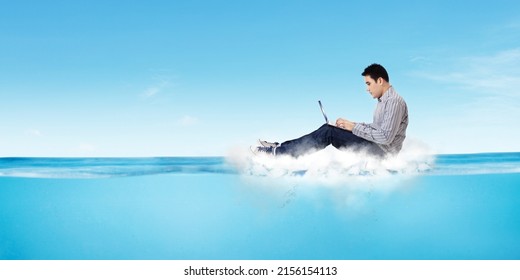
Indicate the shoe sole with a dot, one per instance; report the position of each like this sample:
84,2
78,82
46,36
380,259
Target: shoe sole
256,153
253,150
267,144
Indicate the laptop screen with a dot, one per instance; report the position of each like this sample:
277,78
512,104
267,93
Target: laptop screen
323,112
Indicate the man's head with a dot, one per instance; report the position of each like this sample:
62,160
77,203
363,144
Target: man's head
376,79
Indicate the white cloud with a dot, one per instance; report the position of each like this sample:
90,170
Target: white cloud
497,74
156,88
419,58
33,132
481,101
187,121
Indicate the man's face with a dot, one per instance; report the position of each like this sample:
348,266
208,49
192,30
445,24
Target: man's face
375,88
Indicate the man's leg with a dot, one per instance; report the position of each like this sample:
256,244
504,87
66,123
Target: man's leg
321,138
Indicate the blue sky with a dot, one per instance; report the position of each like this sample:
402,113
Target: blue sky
196,78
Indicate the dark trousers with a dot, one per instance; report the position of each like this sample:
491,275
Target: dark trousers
326,135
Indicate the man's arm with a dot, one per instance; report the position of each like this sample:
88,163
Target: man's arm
384,132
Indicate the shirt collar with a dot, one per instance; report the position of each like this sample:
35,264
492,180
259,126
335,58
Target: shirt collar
387,94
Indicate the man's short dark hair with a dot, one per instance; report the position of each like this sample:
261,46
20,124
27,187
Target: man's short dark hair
376,71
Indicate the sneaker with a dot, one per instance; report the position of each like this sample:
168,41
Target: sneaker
268,144
263,150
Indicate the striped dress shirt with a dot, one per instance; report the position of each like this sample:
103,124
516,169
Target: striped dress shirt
388,129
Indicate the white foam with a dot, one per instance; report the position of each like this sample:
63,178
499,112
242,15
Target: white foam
345,177
331,166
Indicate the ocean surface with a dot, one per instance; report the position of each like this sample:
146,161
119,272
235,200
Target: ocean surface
342,206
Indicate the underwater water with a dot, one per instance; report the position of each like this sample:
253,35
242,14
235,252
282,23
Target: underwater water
440,207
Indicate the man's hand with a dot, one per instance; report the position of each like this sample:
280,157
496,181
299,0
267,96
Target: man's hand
345,124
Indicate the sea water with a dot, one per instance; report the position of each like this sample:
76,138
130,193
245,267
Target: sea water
439,207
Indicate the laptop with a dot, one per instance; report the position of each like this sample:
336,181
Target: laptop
323,112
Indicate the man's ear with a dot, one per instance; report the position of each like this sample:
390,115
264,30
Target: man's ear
380,80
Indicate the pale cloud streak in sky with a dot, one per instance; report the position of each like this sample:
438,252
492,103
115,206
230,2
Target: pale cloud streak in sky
187,121
156,88
484,100
495,74
33,132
